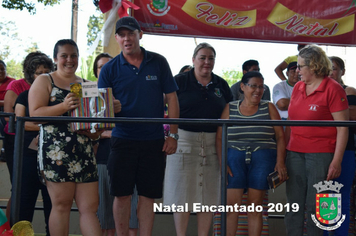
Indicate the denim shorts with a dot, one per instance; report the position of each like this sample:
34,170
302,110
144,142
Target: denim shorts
252,175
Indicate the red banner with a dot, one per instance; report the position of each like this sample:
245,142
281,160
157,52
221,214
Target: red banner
319,21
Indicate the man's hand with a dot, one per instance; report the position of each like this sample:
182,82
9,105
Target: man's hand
117,106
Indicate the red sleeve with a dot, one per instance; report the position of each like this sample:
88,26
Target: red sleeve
337,98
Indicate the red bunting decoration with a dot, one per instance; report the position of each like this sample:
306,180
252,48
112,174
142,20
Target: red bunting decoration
106,5
125,4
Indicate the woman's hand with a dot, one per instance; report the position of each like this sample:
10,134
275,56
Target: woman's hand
282,171
36,139
334,170
229,172
92,136
170,146
70,102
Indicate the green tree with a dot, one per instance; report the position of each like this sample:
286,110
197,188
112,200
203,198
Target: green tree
5,52
32,48
12,46
95,25
30,7
14,69
86,69
231,76
8,37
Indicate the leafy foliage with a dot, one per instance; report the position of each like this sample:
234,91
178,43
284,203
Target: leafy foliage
5,52
30,7
95,25
32,48
96,3
8,36
232,76
14,69
86,71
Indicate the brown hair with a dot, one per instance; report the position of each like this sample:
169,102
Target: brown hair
338,62
98,57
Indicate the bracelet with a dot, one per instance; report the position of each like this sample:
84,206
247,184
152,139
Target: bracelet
93,140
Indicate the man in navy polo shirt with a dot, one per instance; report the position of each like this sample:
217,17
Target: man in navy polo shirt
139,79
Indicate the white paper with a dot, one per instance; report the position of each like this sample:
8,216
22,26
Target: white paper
90,89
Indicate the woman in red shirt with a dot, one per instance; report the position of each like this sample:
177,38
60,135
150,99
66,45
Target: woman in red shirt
4,81
314,153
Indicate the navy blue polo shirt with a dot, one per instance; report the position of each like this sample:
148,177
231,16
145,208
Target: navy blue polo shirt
197,101
140,91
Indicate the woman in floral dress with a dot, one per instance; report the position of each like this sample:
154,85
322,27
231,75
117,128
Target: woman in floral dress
66,158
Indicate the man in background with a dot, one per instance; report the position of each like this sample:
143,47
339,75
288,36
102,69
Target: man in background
250,65
283,90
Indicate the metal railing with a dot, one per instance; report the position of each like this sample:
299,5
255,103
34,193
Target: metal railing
11,120
19,142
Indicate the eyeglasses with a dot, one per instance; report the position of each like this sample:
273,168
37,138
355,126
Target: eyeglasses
254,87
300,66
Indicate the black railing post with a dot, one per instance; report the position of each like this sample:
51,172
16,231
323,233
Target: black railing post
12,123
17,171
223,177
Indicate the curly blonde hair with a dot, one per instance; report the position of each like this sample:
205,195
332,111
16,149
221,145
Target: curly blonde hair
316,59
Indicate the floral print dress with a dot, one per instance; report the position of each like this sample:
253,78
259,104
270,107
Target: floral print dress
65,156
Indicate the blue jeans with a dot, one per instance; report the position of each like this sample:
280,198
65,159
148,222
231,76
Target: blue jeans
252,175
347,170
304,170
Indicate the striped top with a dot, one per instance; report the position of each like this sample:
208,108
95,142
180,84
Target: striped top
251,137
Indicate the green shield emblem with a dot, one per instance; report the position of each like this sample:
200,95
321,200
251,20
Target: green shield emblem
328,209
328,205
159,4
158,7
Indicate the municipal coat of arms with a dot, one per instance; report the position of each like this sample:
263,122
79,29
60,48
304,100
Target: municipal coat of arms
158,7
328,205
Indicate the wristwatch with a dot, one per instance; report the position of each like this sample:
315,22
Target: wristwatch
175,136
